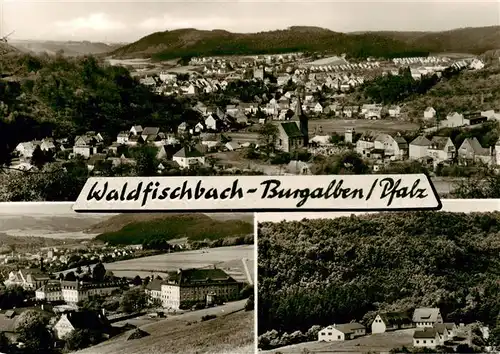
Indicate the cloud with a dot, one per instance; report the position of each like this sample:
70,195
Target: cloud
94,22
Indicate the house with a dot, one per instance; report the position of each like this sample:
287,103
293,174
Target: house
27,278
453,120
188,156
394,111
429,113
445,331
474,118
136,130
472,150
366,143
427,337
26,149
71,321
391,321
418,148
213,122
341,332
441,149
318,108
476,64
153,289
426,317
186,287
122,137
150,133
395,147
73,292
87,145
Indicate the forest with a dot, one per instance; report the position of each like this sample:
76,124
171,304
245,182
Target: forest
325,271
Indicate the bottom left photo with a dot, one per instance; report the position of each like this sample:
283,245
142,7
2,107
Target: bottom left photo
125,283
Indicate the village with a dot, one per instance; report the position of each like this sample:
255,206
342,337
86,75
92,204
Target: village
429,329
73,290
305,101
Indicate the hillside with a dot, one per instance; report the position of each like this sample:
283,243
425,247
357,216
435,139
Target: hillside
70,48
462,40
320,272
195,227
231,333
192,42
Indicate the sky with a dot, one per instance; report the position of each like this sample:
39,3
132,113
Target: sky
121,21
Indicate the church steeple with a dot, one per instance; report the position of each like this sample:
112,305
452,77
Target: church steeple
300,118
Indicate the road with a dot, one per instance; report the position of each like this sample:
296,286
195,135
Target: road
247,271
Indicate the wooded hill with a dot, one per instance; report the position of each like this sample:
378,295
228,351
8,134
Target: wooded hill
191,42
320,272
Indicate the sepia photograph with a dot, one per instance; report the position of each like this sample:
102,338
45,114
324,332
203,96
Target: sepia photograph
388,282
125,283
248,88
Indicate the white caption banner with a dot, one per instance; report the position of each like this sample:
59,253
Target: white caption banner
258,193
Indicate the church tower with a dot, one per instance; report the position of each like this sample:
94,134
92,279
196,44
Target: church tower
301,119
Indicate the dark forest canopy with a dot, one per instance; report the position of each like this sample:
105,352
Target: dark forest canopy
319,272
185,43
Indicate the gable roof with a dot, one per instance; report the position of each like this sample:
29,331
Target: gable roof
476,146
348,328
439,142
426,314
441,327
421,141
87,320
427,333
188,152
194,276
150,131
292,130
155,285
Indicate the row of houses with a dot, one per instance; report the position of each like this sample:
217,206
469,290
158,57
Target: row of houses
430,330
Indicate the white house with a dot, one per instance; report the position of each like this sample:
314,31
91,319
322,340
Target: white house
445,331
394,111
391,321
69,322
426,317
471,149
341,332
453,120
418,148
366,143
188,156
429,113
427,337
476,64
441,149
395,147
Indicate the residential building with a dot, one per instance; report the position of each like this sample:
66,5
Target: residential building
349,135
427,337
87,145
441,149
189,156
72,292
426,317
391,321
26,149
187,287
453,120
395,147
71,321
153,289
394,111
341,332
418,148
471,150
27,278
366,143
445,331
474,118
429,113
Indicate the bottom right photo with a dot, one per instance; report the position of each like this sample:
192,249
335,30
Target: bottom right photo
389,282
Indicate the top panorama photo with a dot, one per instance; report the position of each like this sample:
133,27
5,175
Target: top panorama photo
85,93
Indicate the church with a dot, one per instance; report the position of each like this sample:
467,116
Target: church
294,134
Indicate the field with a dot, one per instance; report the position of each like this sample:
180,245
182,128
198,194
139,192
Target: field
373,343
228,333
228,258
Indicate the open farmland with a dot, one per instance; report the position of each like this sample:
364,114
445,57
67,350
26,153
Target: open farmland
228,333
228,258
373,343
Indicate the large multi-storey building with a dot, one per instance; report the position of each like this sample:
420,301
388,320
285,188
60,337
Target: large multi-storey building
72,292
190,286
29,279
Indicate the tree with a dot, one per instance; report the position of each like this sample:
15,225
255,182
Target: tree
99,272
137,281
146,161
134,300
4,343
78,339
31,327
268,136
70,276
